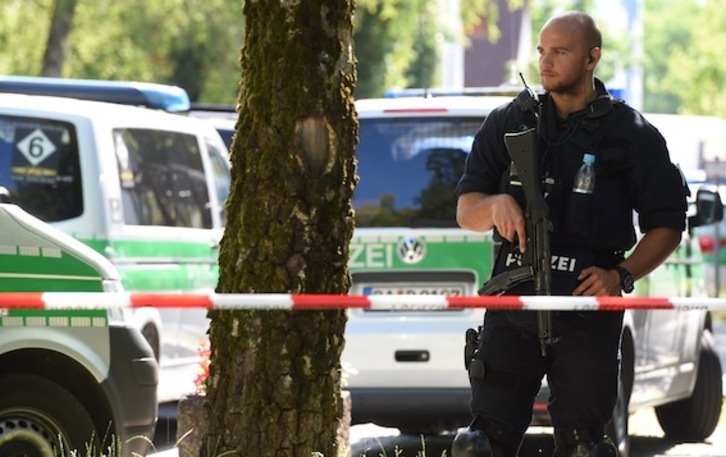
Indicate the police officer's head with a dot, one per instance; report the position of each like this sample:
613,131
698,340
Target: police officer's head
570,48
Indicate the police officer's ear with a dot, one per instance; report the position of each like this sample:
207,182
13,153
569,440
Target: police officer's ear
593,56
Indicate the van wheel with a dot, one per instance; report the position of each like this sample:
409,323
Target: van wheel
40,418
617,428
695,418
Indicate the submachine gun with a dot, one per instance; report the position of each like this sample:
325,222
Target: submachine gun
536,259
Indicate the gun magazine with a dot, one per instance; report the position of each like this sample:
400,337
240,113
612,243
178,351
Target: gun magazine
502,282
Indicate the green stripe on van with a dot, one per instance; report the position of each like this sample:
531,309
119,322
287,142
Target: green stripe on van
36,260
87,318
147,249
161,266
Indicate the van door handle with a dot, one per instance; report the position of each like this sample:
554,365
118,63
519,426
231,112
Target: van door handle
413,356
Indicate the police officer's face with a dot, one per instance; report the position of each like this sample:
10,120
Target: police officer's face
563,56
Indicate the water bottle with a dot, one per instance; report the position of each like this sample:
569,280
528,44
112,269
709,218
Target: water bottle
585,177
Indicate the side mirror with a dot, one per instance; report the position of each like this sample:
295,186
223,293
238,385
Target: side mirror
4,195
709,208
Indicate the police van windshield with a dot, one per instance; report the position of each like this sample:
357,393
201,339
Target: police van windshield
408,170
39,167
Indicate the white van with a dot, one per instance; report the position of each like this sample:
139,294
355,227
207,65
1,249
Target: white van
73,382
697,143
143,187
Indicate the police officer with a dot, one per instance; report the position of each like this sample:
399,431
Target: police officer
591,234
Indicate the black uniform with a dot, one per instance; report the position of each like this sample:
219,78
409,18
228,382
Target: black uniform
633,172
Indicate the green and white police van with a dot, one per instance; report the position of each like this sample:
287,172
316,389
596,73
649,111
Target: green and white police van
71,380
407,368
143,187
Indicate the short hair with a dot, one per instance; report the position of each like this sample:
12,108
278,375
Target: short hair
586,23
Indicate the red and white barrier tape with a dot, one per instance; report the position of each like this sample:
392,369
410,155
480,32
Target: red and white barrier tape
93,300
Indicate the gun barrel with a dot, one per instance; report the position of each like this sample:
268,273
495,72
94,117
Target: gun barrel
543,253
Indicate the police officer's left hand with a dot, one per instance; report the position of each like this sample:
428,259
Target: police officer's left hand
595,281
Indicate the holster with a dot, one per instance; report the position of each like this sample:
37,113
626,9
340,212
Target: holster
470,346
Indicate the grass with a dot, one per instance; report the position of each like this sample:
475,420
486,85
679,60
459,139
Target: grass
398,452
113,449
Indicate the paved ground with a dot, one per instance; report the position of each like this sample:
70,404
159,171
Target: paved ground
646,436
647,440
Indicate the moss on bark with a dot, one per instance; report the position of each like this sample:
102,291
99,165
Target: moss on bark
275,375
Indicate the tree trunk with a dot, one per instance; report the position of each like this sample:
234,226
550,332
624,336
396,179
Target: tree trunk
60,28
275,378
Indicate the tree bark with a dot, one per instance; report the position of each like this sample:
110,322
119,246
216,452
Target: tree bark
60,28
275,377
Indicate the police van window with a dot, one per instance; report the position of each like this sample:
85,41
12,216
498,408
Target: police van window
40,167
227,135
408,170
220,174
162,178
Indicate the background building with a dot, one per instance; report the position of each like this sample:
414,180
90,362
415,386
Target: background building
488,63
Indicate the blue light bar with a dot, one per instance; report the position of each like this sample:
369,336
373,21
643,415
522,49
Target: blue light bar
150,95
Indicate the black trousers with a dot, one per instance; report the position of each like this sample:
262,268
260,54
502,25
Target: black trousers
582,369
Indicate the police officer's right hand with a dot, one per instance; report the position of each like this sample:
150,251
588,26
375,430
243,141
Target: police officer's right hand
508,218
481,212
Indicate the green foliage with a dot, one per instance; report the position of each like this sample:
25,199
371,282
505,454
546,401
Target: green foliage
475,12
396,44
685,69
667,33
174,41
191,43
23,25
196,44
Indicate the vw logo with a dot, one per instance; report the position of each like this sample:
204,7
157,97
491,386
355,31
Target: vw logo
411,250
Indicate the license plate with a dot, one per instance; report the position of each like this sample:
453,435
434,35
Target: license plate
414,290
